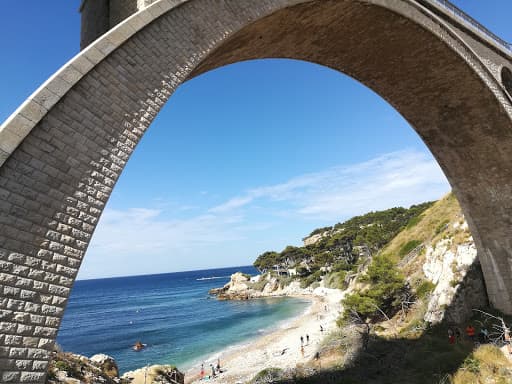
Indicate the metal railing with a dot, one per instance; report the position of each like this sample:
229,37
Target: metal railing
468,20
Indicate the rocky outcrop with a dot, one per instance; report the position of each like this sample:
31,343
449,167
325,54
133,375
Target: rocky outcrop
155,374
313,239
70,368
455,270
238,288
241,287
107,364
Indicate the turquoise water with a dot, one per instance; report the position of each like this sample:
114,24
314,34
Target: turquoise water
171,313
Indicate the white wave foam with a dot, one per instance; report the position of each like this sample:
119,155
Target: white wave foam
212,278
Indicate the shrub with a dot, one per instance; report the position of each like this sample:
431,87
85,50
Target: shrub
306,282
71,369
441,227
260,284
414,221
471,364
363,304
386,288
424,289
408,247
336,280
268,375
342,265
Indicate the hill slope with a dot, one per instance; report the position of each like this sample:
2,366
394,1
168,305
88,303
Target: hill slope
402,301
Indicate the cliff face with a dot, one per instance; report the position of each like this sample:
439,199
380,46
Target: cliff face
446,257
70,368
433,250
459,285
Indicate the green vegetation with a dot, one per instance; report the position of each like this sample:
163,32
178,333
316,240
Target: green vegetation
408,247
318,231
310,279
446,210
424,288
73,367
342,246
336,280
384,293
390,342
441,227
269,375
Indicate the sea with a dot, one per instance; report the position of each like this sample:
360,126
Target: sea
172,313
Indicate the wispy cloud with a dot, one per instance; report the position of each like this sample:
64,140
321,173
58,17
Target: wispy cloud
220,234
398,178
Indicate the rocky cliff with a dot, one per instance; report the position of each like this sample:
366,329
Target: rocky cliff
71,368
445,256
434,251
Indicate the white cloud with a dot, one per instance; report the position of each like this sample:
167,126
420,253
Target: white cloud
398,178
142,240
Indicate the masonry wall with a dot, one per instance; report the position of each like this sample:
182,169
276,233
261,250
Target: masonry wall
121,9
95,19
55,184
99,16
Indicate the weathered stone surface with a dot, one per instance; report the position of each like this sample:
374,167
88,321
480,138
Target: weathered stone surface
107,364
63,155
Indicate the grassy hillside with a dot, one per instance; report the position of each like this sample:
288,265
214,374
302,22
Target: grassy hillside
381,340
429,227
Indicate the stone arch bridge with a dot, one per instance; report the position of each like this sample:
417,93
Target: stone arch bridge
62,151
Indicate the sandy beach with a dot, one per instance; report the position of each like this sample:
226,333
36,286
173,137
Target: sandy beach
281,347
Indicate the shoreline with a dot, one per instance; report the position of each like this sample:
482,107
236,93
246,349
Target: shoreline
281,346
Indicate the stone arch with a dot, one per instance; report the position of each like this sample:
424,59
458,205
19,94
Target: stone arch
506,79
64,149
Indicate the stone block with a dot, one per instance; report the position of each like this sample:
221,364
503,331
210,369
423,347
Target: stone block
32,377
11,376
38,353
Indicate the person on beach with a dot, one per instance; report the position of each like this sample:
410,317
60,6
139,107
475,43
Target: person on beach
458,334
202,371
213,371
218,366
301,340
321,328
508,341
302,351
307,339
317,359
451,336
470,331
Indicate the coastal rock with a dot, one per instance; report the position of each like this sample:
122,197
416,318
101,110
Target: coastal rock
238,282
241,287
238,288
457,291
155,374
70,368
107,364
312,239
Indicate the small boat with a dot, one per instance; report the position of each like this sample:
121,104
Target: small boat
138,346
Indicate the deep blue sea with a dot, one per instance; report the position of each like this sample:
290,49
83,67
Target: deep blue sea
172,313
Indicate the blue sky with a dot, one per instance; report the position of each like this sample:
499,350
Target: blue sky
247,158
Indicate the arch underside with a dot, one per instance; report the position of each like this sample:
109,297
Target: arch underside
55,185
